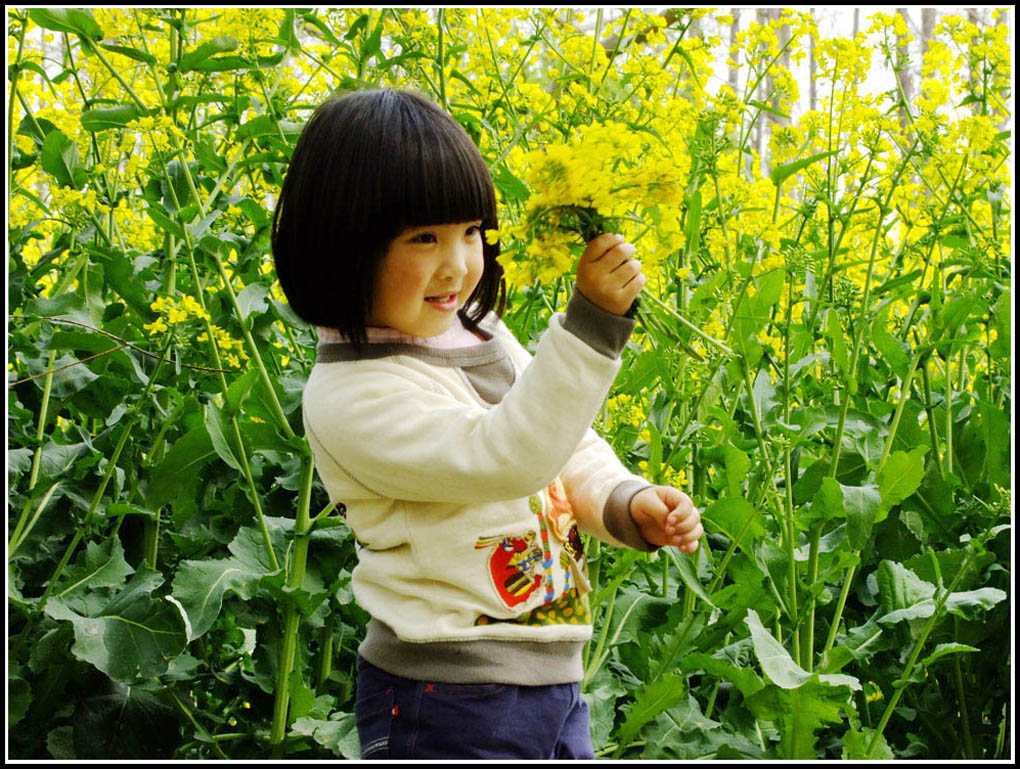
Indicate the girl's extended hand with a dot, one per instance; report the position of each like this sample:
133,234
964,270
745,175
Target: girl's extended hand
666,516
608,275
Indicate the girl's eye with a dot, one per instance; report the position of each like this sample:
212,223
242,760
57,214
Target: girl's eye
474,229
424,237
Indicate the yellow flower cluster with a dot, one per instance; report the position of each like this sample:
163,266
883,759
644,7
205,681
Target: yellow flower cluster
231,349
623,176
172,313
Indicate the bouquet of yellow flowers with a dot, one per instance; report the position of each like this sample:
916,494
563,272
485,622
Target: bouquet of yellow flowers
604,176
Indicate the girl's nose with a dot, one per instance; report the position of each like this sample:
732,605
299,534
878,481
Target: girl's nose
456,263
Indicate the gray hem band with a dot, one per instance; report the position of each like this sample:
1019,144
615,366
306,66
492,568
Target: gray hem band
521,663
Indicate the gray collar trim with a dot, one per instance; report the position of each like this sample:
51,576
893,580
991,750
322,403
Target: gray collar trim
480,354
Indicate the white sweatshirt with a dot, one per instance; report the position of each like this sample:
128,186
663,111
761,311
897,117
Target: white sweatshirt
463,489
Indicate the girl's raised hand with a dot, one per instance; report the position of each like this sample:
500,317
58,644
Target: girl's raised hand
608,275
666,516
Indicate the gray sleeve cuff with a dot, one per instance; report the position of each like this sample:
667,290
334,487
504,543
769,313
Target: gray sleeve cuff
617,520
603,331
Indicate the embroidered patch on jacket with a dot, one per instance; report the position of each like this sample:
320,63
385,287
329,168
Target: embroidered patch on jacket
569,609
513,566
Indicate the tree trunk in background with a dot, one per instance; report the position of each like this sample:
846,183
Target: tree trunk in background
857,20
812,69
903,70
976,87
762,18
927,28
734,70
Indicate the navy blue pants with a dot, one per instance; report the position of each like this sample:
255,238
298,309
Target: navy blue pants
402,718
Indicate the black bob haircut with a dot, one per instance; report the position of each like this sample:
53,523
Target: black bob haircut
367,166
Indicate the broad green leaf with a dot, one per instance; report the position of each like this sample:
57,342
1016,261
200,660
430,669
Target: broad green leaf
799,713
737,465
902,594
895,352
764,394
207,48
133,637
61,159
164,222
968,604
828,501
101,118
239,389
784,172
339,734
188,455
900,477
943,650
685,564
862,505
733,516
131,53
650,700
252,299
19,695
221,433
200,585
77,21
357,26
745,679
856,743
767,108
264,125
775,661
837,344
602,695
1001,317
103,566
692,230
683,732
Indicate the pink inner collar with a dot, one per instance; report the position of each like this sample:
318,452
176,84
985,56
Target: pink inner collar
455,336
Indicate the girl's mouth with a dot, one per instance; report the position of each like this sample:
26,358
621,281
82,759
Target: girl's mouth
445,303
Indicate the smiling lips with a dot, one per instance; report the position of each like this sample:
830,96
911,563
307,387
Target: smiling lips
445,302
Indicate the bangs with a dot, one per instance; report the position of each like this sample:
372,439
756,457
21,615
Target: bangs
423,169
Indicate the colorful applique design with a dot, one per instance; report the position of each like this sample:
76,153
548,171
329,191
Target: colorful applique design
571,606
513,566
536,507
569,609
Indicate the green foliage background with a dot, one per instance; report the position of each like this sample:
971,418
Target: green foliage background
823,362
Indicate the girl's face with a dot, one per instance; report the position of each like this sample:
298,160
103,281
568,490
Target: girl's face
426,275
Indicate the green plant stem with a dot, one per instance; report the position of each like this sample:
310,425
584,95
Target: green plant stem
198,727
930,411
968,740
904,396
916,653
41,427
246,470
110,468
440,60
949,419
292,618
840,605
25,524
688,325
616,49
15,75
325,655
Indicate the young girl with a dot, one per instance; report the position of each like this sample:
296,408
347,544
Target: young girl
468,467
